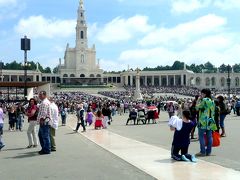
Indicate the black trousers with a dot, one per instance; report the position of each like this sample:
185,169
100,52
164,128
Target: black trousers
82,124
178,157
238,111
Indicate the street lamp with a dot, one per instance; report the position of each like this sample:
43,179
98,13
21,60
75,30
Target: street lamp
1,68
25,46
228,81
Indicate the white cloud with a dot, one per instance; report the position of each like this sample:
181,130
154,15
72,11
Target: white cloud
183,33
227,4
120,29
11,8
162,56
216,42
4,3
188,6
112,65
40,27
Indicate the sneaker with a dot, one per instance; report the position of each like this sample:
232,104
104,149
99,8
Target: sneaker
1,146
200,154
193,158
43,153
185,159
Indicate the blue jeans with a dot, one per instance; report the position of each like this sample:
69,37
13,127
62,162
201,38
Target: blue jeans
1,132
44,138
64,117
222,117
203,149
19,122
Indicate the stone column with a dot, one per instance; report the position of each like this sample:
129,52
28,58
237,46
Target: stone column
131,80
167,80
10,78
181,79
160,81
145,80
126,80
152,80
34,78
174,80
137,93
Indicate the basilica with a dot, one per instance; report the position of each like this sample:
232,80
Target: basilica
80,68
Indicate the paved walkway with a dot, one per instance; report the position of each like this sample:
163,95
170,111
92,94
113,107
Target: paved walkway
155,160
76,158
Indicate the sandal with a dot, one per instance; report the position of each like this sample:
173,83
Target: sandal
29,146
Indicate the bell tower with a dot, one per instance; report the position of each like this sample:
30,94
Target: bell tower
81,28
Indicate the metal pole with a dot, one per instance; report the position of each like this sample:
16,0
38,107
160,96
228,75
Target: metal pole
25,74
228,82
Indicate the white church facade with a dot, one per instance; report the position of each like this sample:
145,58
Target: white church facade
79,66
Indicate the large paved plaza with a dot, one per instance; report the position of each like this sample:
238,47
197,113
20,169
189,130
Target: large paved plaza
120,152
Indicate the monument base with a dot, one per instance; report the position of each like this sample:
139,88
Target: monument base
138,95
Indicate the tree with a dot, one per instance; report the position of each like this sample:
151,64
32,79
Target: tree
223,68
236,68
208,66
55,70
47,70
177,65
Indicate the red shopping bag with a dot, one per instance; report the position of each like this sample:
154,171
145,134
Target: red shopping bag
216,139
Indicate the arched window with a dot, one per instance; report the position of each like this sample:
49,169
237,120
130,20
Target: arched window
222,81
91,75
82,75
65,75
198,81
213,81
82,35
237,82
207,81
82,58
98,75
72,75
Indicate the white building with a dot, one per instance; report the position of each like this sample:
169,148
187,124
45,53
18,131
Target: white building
80,65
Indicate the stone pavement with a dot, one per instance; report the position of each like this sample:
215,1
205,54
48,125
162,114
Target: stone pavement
120,152
75,158
155,160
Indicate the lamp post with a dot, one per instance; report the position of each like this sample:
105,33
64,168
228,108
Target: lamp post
25,46
1,73
228,81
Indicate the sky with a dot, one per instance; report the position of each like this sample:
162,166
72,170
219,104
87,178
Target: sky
134,33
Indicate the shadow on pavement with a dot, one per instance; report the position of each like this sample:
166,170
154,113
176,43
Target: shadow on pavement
24,155
170,161
13,149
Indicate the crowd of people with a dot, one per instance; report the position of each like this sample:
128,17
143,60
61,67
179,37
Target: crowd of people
204,111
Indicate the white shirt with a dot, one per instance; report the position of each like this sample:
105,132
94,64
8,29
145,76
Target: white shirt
54,113
175,122
1,116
